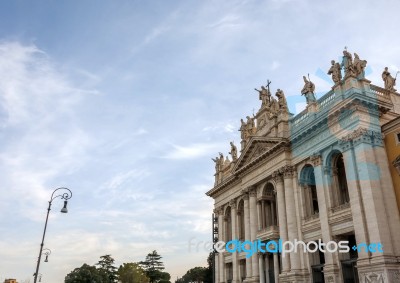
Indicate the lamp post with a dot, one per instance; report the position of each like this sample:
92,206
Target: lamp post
46,252
214,224
66,195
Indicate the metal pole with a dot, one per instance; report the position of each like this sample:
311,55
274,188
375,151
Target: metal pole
213,250
66,196
41,245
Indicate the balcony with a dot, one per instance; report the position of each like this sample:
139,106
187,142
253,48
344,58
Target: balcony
270,232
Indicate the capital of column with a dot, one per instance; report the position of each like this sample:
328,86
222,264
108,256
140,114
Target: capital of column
287,171
316,160
252,192
277,176
232,203
218,211
245,195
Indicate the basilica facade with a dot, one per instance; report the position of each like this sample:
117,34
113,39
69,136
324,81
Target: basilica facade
322,174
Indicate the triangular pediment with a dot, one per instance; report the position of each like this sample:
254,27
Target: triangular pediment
254,149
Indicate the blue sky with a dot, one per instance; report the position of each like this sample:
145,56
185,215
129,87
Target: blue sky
125,103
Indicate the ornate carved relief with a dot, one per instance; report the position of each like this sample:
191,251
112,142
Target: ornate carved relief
252,192
277,176
287,171
316,159
373,277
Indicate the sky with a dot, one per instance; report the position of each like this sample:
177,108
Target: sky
126,102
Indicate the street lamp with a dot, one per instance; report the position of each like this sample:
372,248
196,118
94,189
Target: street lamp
46,252
214,224
66,195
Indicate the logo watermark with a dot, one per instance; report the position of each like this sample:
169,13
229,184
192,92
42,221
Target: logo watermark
283,247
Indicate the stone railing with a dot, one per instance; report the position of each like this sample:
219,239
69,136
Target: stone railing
340,207
381,93
311,217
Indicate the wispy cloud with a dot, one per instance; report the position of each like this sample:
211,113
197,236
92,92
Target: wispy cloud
191,151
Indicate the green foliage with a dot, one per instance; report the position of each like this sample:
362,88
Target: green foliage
132,273
107,268
85,274
199,274
153,267
195,274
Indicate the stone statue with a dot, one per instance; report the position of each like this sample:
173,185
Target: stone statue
264,96
335,71
274,106
308,91
347,64
250,126
233,151
281,100
389,81
219,162
243,134
359,66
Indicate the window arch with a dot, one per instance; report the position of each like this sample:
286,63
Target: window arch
228,224
268,215
337,172
240,214
307,182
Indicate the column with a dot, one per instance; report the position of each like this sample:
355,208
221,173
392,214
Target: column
253,229
299,205
291,214
261,267
221,263
263,218
266,263
356,203
369,178
282,217
276,268
247,235
235,266
331,268
259,216
216,265
388,195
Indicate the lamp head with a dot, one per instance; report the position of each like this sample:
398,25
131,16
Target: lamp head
46,259
64,209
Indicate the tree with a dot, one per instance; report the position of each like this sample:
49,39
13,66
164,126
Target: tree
195,275
153,268
107,268
208,273
85,274
199,274
132,273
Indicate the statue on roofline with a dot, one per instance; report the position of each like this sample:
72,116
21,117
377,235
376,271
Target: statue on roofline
335,71
233,151
281,100
308,90
389,81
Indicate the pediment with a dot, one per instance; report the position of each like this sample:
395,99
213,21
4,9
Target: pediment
254,149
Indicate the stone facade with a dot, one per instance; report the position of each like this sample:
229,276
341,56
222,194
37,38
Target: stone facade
322,174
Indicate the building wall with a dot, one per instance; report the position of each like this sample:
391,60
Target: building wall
298,158
392,146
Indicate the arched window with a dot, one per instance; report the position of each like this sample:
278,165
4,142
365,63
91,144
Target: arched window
240,214
228,224
307,182
340,190
268,215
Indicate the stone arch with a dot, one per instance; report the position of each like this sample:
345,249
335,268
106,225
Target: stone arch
228,223
309,191
337,178
267,206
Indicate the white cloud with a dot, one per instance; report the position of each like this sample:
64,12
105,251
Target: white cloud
191,151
